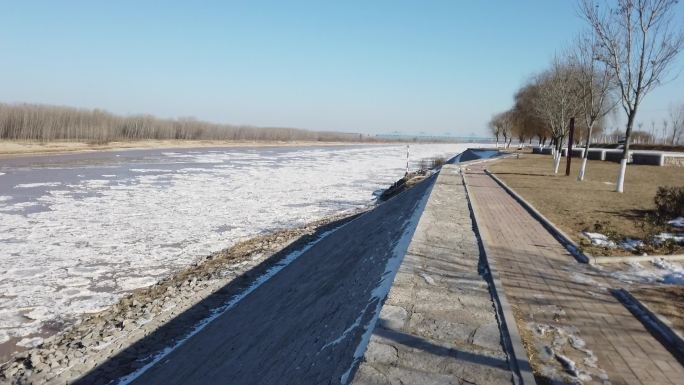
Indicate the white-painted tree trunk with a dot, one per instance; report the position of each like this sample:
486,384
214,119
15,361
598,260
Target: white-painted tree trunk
557,162
583,168
621,176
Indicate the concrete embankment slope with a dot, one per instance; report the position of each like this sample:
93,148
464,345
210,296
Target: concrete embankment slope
307,323
439,324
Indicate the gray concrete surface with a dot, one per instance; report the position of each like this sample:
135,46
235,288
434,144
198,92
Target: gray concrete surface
438,325
303,325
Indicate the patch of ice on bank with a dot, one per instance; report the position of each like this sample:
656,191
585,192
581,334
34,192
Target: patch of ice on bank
132,283
31,342
5,198
599,239
677,222
93,302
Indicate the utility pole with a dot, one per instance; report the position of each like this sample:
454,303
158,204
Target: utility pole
570,139
407,160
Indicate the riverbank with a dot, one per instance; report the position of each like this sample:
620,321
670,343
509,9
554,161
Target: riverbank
169,309
17,148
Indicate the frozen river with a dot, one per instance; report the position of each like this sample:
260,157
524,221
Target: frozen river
79,230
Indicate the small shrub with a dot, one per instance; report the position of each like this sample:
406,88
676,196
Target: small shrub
669,202
438,162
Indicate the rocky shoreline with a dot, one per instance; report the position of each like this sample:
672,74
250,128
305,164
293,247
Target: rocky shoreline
102,347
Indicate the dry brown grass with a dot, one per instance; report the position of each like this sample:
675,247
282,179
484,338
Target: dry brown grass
667,301
591,205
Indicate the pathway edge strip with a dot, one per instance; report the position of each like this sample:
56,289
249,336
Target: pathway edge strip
654,323
518,358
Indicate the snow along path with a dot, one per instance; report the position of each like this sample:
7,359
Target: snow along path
282,331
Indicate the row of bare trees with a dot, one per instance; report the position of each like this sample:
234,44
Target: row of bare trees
33,122
627,51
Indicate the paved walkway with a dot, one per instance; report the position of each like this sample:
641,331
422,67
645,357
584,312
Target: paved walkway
438,325
572,324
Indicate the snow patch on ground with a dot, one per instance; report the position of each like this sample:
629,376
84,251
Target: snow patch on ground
674,237
657,271
677,222
674,272
631,244
30,342
562,350
428,279
598,239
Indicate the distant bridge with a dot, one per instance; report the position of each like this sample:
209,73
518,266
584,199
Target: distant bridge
440,138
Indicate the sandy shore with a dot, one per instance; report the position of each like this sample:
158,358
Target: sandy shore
16,148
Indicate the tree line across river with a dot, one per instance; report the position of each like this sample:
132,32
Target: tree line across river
34,122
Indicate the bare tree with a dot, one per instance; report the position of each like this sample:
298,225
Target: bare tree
495,128
639,43
595,80
526,123
558,99
505,120
677,120
501,124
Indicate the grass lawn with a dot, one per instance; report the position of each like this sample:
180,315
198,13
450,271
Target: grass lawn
592,205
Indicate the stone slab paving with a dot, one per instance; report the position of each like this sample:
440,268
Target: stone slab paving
438,324
564,307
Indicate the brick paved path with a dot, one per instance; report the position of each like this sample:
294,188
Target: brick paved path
557,300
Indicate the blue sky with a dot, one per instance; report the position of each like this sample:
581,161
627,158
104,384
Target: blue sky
362,66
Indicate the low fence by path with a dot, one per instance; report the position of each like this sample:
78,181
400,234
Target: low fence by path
645,157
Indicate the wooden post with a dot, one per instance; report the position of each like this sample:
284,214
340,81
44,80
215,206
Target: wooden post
570,139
